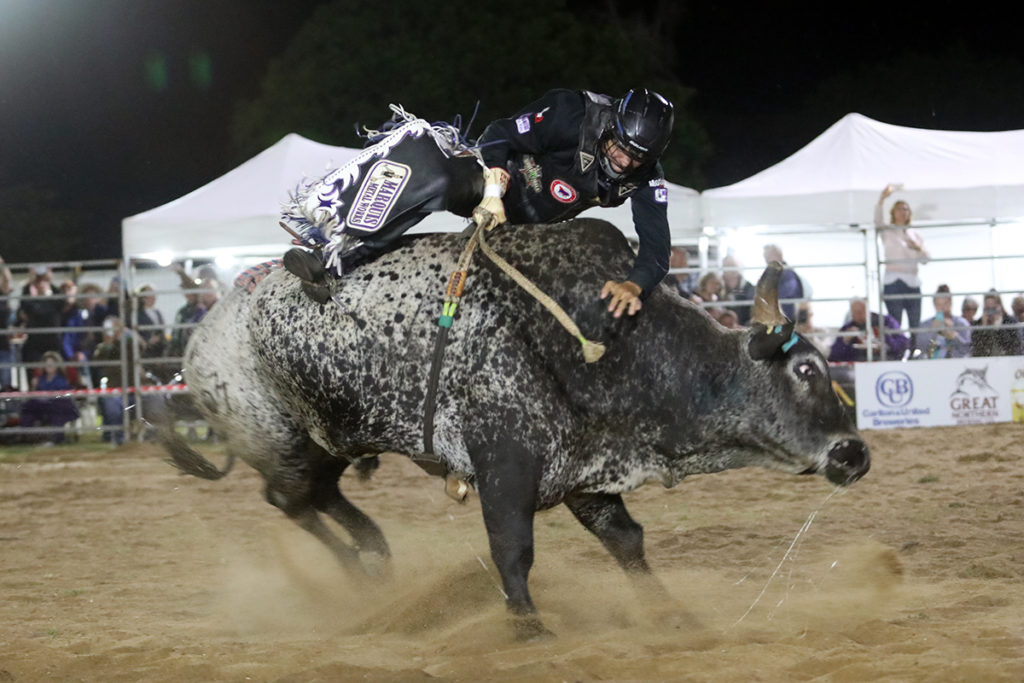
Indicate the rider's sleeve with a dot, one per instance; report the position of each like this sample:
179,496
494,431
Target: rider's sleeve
650,219
549,123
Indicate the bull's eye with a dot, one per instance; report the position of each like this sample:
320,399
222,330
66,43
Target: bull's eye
806,370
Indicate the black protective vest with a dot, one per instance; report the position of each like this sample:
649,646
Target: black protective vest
559,184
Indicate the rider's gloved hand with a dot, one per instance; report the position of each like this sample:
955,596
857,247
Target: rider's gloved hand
491,210
625,297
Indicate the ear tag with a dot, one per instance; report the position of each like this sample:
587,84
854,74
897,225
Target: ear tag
789,344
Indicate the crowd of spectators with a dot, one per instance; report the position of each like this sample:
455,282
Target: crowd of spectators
995,332
728,296
898,334
73,336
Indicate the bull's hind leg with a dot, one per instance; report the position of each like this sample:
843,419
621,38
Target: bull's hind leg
304,482
605,516
307,518
369,540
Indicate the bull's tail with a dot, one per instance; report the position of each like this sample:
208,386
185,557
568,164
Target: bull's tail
188,459
164,415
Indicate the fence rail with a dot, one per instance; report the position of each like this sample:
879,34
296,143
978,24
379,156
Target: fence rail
145,376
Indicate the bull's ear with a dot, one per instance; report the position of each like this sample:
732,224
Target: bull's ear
770,329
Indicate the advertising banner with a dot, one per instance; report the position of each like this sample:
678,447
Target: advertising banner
929,393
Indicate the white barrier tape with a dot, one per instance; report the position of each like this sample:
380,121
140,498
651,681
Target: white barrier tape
154,389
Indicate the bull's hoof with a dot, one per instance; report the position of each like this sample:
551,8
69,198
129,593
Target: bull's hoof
375,565
530,630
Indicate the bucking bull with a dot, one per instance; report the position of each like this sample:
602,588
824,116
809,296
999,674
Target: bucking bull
300,391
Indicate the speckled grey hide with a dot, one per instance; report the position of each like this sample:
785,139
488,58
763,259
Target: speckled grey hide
675,393
298,390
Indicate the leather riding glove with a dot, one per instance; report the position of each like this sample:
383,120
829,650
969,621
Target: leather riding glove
491,210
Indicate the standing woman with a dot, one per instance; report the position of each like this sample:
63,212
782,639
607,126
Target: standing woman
904,252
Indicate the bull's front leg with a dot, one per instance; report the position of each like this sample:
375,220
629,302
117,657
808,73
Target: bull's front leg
508,499
605,516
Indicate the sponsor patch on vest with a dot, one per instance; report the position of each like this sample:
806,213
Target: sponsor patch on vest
661,195
531,174
539,116
563,191
523,124
586,160
378,195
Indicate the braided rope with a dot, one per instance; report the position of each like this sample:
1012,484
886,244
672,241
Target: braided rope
592,351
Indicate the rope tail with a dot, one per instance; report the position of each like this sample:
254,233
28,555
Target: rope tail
592,351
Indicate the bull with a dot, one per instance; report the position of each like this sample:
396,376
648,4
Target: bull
300,391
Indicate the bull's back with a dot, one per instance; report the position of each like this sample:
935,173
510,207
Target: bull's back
355,370
383,319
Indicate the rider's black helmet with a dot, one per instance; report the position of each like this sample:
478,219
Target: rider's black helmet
642,125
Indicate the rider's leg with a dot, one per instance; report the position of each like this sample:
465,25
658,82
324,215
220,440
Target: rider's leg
443,183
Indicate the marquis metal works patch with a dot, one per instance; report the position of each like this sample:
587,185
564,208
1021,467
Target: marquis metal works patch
378,195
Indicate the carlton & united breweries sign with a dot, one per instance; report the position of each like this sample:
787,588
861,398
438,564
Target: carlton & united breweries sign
928,393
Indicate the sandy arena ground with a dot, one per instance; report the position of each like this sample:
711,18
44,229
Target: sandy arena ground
116,568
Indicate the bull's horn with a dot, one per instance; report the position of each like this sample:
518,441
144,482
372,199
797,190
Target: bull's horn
766,298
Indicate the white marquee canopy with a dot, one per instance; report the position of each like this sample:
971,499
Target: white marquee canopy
837,177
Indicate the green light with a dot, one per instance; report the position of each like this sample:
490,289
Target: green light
200,69
156,71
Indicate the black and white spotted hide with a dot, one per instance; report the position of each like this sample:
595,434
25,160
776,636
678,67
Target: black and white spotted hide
298,390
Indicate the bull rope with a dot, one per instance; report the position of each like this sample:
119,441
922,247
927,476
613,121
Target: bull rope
592,351
452,296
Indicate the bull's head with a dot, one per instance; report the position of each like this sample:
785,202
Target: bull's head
806,384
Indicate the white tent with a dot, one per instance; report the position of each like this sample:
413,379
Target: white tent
807,203
683,214
238,213
836,178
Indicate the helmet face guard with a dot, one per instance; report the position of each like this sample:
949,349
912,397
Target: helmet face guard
607,143
641,127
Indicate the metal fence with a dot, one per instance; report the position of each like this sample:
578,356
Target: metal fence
111,395
838,273
852,256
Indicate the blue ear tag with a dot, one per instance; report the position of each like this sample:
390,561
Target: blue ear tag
789,344
778,328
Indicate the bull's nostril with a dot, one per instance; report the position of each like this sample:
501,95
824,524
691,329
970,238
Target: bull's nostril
850,454
848,461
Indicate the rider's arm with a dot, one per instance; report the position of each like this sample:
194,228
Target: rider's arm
650,218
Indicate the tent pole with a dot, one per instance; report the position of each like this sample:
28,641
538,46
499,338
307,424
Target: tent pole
869,238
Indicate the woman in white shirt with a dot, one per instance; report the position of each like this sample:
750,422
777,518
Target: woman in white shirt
904,252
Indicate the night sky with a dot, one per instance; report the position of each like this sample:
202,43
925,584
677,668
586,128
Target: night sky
123,105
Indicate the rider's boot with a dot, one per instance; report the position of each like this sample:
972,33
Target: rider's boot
308,267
